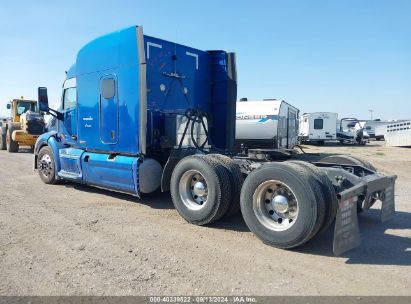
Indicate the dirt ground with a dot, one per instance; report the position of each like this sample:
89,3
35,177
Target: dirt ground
76,240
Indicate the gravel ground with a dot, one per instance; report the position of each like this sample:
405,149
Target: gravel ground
76,240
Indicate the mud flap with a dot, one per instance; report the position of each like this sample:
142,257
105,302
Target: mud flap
346,231
388,202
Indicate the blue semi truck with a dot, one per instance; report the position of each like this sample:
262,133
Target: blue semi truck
139,113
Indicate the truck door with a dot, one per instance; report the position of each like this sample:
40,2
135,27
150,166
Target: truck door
70,156
68,127
108,110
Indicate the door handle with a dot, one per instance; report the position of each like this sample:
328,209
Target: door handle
74,137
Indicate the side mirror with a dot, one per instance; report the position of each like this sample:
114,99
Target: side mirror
43,99
8,106
43,102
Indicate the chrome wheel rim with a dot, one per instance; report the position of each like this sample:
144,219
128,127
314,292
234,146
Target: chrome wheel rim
275,205
45,166
193,190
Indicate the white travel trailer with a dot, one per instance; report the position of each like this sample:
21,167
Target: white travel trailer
268,123
318,127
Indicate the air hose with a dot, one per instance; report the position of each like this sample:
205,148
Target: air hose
196,116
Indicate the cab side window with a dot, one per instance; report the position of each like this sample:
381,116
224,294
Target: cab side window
70,98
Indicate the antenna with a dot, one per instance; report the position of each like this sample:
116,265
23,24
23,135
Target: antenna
175,52
371,111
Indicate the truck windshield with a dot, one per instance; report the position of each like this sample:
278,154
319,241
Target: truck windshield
24,106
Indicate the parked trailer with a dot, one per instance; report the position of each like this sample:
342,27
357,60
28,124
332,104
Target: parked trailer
377,128
140,113
397,134
380,131
371,127
318,127
268,123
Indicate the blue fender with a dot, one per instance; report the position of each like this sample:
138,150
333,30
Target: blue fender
52,140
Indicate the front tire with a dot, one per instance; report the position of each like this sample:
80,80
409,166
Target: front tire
236,182
279,205
328,192
46,166
3,145
12,146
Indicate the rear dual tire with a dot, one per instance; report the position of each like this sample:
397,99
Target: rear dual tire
236,180
327,195
348,160
284,204
280,204
200,189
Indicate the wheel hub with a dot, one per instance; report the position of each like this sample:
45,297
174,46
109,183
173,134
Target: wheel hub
275,205
193,190
200,189
45,166
280,204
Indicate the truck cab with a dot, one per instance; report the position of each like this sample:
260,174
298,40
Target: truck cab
125,105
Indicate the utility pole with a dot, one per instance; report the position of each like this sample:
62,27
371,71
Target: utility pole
371,113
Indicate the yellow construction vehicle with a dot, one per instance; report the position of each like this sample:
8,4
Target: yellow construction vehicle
25,126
